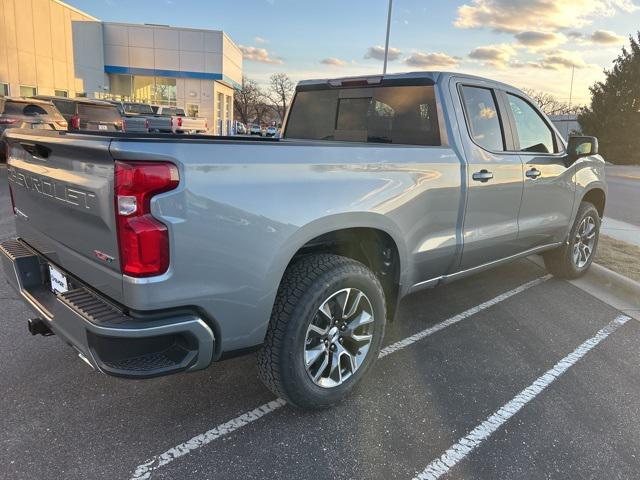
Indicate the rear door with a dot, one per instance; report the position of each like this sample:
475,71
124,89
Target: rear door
63,191
494,177
549,188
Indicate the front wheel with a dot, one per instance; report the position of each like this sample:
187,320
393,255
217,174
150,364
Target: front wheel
575,256
325,332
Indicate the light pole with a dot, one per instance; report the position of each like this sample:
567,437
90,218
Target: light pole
386,45
573,71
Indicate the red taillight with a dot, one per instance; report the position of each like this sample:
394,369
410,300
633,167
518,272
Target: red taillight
8,121
142,239
179,121
75,122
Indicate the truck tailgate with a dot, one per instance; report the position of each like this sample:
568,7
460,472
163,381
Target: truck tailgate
62,187
190,123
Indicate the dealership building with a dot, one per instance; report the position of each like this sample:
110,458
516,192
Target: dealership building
47,47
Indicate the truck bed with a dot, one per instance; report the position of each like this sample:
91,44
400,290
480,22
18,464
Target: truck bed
242,208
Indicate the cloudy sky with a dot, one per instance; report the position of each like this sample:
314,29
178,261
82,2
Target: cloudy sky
528,43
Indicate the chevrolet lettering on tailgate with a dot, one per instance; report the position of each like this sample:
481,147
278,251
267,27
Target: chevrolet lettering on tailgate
53,189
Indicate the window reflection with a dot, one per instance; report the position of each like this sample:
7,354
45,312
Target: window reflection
138,88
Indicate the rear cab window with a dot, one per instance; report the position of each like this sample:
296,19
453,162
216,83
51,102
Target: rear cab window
30,109
99,113
380,114
65,107
178,112
138,108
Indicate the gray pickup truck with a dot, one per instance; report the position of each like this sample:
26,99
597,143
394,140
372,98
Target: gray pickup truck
159,254
133,116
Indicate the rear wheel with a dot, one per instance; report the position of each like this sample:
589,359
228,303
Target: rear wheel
325,332
574,257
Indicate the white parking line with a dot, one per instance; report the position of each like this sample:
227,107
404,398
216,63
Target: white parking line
144,470
470,442
461,316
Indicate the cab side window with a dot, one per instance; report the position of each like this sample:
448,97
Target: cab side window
534,134
483,118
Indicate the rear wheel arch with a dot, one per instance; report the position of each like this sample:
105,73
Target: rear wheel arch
374,247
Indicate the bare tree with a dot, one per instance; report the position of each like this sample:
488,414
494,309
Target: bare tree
246,101
550,104
263,113
279,93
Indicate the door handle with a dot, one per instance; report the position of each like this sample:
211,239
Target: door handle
36,149
533,173
482,176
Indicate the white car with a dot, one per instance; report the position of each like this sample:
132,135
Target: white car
272,132
255,130
181,123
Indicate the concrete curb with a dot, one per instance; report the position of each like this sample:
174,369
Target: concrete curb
612,288
623,286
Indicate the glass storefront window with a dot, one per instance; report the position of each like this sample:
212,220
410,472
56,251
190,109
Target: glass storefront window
136,88
4,89
143,89
227,114
120,86
192,109
166,91
219,112
61,93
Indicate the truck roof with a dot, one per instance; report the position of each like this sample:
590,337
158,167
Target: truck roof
84,100
409,78
27,100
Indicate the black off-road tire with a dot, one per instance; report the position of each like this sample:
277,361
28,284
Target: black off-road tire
306,284
559,262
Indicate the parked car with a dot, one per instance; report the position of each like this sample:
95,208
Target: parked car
180,123
255,129
155,123
156,257
133,115
241,129
20,112
271,132
88,114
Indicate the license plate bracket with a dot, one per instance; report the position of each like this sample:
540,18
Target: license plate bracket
58,280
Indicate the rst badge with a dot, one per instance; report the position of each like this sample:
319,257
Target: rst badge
103,256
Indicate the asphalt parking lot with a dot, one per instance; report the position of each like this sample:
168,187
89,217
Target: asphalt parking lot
507,374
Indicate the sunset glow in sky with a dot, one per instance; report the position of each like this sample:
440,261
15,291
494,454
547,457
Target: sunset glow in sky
528,43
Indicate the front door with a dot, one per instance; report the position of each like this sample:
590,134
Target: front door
549,188
494,179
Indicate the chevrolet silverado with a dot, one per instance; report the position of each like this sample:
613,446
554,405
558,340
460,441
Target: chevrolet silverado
158,254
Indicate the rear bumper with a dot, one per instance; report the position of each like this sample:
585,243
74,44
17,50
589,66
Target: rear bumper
124,344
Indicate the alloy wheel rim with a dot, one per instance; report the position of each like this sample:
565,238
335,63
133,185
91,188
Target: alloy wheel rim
339,337
584,242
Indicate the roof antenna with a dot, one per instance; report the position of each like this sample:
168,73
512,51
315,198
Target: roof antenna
386,45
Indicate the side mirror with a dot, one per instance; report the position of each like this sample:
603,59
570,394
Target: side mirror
581,147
